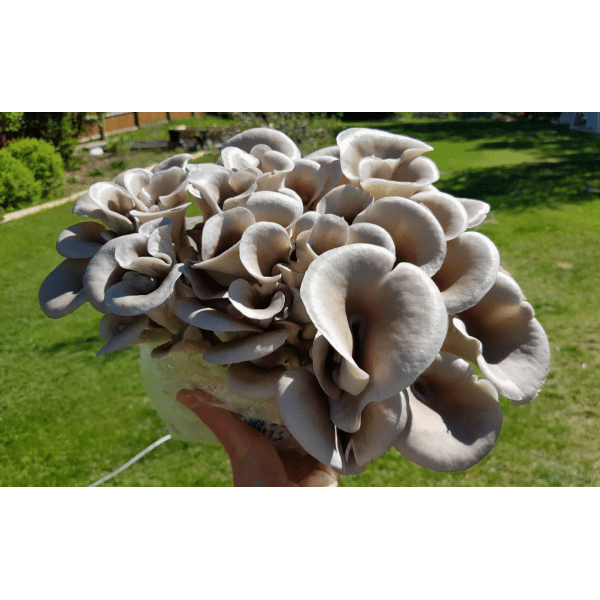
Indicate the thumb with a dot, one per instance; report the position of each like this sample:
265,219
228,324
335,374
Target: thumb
254,460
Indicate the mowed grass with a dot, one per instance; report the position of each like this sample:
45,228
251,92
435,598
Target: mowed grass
67,417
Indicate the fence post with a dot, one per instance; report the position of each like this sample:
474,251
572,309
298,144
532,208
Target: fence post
101,127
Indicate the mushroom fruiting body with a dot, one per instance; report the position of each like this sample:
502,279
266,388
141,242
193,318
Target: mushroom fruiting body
338,296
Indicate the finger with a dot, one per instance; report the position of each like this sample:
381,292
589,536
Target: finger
306,471
194,398
254,460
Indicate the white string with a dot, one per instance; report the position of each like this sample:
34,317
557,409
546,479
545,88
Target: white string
130,462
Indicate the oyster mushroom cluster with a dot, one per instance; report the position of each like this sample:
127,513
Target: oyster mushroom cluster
343,286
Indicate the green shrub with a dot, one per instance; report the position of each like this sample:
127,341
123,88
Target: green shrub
95,171
55,127
117,145
120,163
18,186
42,159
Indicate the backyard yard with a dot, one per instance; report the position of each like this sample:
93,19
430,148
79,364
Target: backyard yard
69,417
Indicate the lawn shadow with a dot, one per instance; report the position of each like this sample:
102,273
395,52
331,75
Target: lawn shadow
549,138
526,185
568,167
88,343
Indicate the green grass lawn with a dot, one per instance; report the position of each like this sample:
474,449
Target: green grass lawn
67,417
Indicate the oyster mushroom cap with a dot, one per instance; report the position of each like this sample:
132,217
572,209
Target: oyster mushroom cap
204,287
273,162
345,201
120,331
178,160
324,364
134,181
477,210
103,272
226,267
304,223
448,210
166,188
468,272
192,311
110,204
454,418
333,173
357,143
140,295
254,301
262,246
388,322
247,348
417,234
275,207
515,350
176,214
307,179
381,424
148,252
403,180
209,185
460,343
223,230
81,240
62,292
275,140
329,231
129,264
237,159
304,408
369,233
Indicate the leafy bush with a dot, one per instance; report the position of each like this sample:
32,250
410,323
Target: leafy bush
42,159
10,123
117,145
17,183
61,129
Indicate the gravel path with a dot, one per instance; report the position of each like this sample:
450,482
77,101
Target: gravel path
17,214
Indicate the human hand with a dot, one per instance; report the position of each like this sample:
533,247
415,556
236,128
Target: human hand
255,460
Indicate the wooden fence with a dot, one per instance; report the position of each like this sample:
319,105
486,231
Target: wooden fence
129,121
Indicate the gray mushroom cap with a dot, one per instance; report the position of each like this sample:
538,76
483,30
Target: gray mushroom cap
387,324
454,418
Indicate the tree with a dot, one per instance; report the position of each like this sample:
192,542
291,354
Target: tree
10,123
